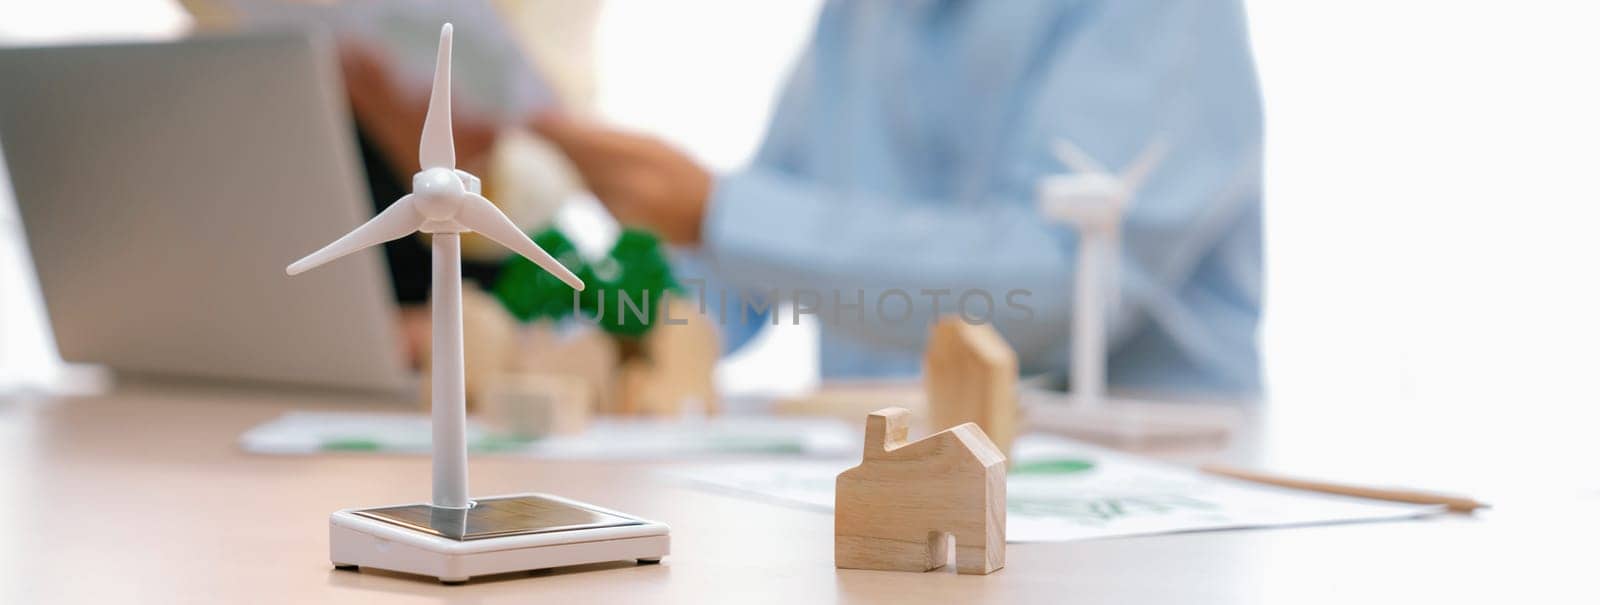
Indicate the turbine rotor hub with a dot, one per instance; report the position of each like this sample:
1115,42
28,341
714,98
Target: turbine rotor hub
439,193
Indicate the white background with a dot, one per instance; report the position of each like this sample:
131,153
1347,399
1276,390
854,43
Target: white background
1431,199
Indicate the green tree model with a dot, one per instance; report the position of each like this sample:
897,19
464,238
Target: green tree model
626,288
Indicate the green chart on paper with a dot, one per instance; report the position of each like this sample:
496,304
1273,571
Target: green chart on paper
1059,490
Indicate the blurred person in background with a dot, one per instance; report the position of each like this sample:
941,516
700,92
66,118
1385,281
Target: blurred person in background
521,173
904,155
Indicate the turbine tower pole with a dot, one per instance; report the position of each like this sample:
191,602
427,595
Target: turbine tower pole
449,377
1096,273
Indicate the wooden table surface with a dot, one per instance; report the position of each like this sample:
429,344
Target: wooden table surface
143,496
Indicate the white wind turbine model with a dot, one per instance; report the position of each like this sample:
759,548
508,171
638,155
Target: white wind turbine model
453,537
1093,200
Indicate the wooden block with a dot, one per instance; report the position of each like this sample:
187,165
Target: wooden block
633,388
536,405
488,338
684,357
970,375
894,510
674,372
585,352
668,372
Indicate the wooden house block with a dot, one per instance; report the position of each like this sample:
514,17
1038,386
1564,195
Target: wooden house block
536,405
674,370
894,511
586,353
667,372
970,375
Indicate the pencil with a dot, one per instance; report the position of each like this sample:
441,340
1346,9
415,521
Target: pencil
1455,504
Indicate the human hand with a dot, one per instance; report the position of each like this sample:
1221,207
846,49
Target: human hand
642,180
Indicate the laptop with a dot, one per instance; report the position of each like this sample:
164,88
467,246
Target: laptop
163,187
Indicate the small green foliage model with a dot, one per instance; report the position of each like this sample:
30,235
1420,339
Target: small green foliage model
625,289
531,293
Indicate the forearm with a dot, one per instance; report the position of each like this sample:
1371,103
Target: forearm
885,268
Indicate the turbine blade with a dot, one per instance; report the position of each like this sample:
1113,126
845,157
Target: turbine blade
1076,158
1133,177
479,214
438,147
398,220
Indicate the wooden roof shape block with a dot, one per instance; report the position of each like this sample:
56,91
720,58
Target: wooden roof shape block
893,511
970,375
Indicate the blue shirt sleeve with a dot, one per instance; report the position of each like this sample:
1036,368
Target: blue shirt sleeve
1109,76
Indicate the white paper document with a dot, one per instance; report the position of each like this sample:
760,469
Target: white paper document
607,438
1059,490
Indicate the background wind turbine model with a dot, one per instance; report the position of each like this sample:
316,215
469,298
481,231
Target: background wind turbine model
1093,199
453,537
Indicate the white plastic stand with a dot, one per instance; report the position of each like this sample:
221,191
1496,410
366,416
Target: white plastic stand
452,537
1131,423
356,540
1092,200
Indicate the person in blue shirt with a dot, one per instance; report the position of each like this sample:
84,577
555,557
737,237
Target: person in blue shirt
899,174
